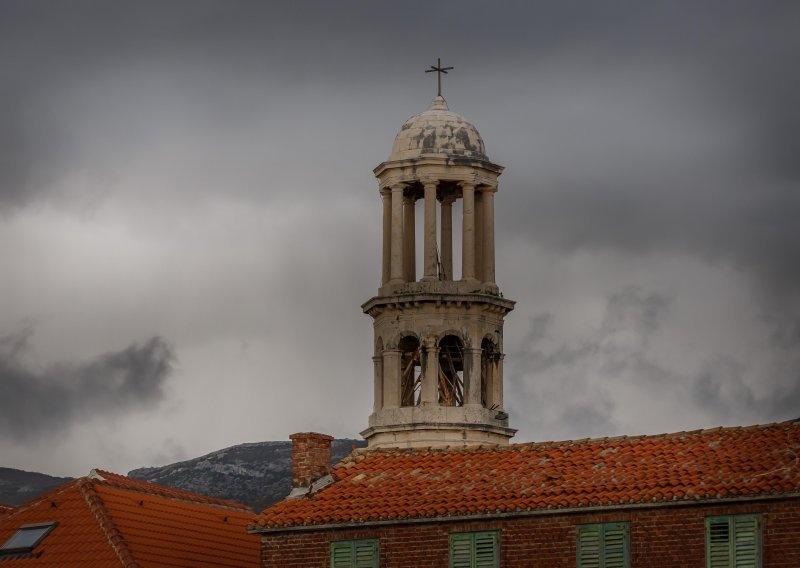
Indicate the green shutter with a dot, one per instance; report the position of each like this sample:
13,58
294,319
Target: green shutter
733,542
461,550
615,545
746,536
603,545
355,553
342,554
589,546
366,553
474,550
486,550
718,542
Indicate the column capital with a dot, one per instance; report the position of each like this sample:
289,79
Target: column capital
429,181
465,184
488,189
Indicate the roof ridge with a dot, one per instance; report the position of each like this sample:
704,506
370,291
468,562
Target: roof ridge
113,534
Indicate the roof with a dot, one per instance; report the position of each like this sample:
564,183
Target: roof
106,519
395,485
6,510
438,132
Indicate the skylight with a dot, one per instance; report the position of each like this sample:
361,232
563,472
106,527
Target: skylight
26,538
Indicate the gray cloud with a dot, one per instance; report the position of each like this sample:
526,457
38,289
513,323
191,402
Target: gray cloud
722,388
203,167
39,402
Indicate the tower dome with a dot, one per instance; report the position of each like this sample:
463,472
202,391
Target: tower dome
437,132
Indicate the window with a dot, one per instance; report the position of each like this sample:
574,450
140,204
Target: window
475,550
603,545
733,541
355,553
26,538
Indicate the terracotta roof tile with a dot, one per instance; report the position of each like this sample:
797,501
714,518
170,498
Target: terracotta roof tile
106,519
397,484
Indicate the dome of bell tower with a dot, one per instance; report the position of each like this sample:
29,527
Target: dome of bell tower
438,132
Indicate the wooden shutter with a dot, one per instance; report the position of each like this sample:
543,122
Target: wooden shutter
718,542
461,550
615,545
486,550
733,542
603,545
590,546
355,553
366,553
342,554
474,550
746,541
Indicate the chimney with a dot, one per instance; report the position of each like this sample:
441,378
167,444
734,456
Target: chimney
311,459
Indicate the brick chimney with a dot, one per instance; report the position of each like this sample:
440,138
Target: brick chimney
311,459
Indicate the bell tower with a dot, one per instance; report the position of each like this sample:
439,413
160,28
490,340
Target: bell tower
438,344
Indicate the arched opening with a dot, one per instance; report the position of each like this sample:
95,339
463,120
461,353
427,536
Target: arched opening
489,358
410,371
451,371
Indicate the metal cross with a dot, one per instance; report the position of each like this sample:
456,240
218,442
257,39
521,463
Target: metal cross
439,70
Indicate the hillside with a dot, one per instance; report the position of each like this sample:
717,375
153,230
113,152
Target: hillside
257,474
17,486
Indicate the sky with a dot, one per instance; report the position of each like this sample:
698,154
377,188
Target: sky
189,222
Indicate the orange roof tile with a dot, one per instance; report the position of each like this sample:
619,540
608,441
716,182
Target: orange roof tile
6,510
106,519
398,484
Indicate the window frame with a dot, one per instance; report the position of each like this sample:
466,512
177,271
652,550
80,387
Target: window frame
732,536
49,526
353,544
454,536
625,526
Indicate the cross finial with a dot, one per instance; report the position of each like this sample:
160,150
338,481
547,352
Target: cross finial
439,70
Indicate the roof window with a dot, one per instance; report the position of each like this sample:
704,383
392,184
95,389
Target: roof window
26,538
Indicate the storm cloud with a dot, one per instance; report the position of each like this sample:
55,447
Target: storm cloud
40,402
204,169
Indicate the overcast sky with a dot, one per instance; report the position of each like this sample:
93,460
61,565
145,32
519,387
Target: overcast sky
189,221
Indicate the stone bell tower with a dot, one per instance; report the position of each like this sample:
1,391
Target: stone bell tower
438,336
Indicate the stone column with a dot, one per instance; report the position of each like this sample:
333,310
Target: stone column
377,365
468,233
472,377
479,236
488,235
391,378
431,268
409,241
447,237
397,235
497,384
430,378
386,272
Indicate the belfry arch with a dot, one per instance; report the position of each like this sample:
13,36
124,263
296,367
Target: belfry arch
410,371
451,371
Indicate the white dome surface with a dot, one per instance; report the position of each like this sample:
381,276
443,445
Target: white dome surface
437,132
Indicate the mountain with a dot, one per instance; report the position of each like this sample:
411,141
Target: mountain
17,486
257,474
